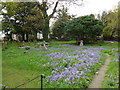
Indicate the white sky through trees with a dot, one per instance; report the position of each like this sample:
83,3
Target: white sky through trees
88,7
94,7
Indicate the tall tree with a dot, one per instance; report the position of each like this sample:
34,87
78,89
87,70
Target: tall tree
84,28
7,11
58,26
28,16
92,15
98,17
25,17
104,17
118,21
111,29
44,6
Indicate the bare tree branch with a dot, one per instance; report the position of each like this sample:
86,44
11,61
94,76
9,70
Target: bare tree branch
75,2
40,6
54,10
78,4
50,4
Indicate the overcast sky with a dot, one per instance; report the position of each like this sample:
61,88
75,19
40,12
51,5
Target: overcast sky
91,7
94,7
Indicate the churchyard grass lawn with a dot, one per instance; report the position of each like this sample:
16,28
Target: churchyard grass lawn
112,74
65,65
0,63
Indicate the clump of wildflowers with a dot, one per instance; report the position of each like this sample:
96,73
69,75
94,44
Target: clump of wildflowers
71,67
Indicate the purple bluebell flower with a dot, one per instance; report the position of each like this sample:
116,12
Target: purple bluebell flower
65,72
54,71
110,41
109,80
88,70
70,64
117,60
100,48
77,65
84,67
65,45
67,79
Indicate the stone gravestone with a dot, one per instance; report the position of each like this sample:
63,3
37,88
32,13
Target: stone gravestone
44,45
19,44
23,44
4,45
81,43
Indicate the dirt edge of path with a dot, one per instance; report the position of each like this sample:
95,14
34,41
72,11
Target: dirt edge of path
99,77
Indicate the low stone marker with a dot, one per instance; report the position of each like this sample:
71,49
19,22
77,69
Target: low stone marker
27,48
19,44
81,43
43,44
23,44
4,45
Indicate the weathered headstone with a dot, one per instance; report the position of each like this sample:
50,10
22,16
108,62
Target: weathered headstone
81,43
27,48
38,45
4,45
23,44
19,44
44,45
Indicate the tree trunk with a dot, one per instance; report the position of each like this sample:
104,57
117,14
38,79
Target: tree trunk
23,37
46,29
4,45
8,36
27,37
36,35
11,37
46,19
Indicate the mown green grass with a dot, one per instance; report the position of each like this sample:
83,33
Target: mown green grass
111,77
0,64
19,67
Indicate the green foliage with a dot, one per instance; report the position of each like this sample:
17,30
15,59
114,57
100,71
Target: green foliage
29,16
41,19
104,18
110,30
19,67
58,26
22,18
111,79
85,28
7,10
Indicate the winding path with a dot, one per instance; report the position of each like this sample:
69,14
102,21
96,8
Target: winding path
99,77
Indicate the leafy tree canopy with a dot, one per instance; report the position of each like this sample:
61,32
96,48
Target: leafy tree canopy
22,17
110,31
84,28
58,26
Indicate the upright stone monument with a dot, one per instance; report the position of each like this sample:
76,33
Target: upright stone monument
19,45
23,44
44,45
4,45
81,43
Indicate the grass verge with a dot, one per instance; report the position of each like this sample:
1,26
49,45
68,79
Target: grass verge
19,67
